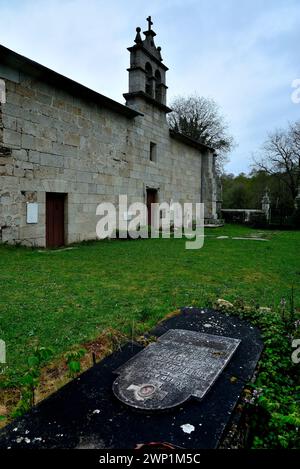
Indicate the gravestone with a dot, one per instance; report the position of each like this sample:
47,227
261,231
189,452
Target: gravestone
181,364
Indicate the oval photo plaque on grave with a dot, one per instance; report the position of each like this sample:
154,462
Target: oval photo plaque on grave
166,373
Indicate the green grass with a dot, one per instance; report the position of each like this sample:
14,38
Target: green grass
59,299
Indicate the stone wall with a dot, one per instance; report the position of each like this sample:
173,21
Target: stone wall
51,141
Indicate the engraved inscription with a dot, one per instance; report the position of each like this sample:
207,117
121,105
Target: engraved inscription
179,365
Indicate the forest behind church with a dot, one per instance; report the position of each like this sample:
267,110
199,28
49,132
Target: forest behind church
247,191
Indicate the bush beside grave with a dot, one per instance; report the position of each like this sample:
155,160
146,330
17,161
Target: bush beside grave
274,406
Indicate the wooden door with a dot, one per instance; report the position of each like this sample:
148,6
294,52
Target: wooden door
55,220
151,199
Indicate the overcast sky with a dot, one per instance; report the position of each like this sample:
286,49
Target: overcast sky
244,54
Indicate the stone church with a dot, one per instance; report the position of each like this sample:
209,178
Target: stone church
65,148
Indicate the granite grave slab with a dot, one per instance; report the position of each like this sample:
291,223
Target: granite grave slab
166,373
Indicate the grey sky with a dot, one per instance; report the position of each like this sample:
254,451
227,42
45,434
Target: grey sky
244,54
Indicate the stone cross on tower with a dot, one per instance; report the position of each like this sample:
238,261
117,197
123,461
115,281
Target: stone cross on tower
147,74
150,23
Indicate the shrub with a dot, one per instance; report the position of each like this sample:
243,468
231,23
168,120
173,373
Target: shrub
274,410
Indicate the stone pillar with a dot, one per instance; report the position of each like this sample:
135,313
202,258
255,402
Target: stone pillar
266,205
209,186
137,79
219,200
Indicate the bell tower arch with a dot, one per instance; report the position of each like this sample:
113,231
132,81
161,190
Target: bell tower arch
147,73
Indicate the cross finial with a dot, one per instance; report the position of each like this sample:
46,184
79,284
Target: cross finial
150,23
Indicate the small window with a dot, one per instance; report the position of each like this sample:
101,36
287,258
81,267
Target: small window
153,155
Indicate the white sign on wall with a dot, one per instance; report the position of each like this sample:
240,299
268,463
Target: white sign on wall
32,212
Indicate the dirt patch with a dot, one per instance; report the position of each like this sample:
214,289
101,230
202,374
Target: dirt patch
56,375
170,315
9,397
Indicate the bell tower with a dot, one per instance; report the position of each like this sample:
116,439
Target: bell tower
147,73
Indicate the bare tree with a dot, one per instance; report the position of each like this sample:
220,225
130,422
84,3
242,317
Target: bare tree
295,129
200,119
280,156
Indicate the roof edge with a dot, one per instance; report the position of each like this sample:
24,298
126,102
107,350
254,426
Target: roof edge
16,61
189,141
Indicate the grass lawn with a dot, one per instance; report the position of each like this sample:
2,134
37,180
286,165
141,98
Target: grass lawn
59,299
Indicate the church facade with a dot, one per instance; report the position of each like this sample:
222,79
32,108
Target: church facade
65,148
